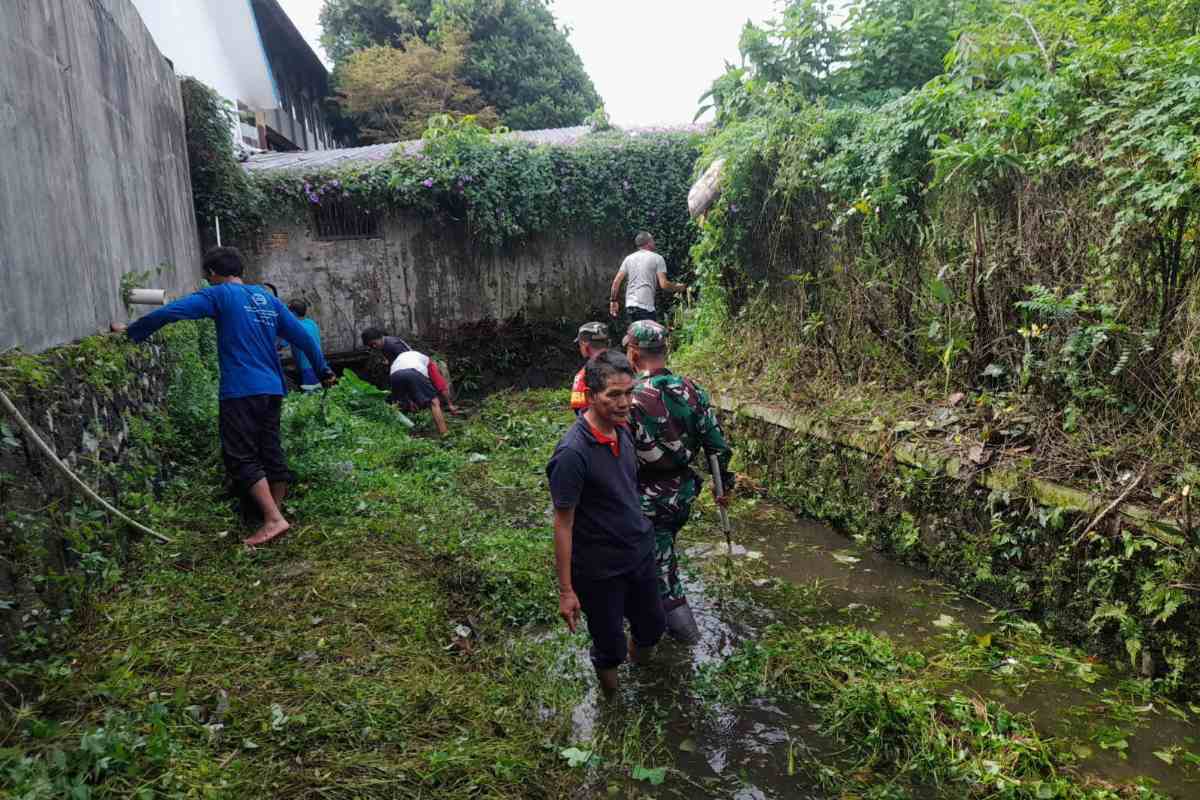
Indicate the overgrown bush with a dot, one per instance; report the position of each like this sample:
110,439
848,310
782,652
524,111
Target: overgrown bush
500,191
1024,224
220,187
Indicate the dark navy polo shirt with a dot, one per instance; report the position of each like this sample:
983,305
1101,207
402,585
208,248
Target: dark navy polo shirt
611,535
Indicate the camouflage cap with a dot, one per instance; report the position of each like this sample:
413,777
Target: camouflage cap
592,332
647,335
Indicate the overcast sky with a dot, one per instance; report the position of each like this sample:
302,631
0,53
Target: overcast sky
650,59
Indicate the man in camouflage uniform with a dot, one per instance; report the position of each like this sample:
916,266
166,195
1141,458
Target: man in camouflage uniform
672,422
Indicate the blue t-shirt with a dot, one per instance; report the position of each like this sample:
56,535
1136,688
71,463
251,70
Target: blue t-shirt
302,362
611,535
248,320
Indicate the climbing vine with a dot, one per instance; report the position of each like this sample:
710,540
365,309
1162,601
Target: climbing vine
502,191
220,187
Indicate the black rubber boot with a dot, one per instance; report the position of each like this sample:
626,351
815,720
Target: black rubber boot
681,625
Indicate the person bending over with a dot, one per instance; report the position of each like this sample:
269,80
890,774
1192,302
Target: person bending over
248,318
603,546
417,384
309,381
592,340
390,346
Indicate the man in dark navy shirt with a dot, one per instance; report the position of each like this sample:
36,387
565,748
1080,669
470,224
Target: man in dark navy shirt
248,320
603,546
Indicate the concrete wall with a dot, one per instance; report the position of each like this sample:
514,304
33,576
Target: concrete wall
419,278
93,168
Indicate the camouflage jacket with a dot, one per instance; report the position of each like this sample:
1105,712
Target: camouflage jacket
673,420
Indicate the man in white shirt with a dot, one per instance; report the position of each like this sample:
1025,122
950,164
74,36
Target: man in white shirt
417,384
647,272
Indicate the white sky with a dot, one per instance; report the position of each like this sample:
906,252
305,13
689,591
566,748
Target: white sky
649,59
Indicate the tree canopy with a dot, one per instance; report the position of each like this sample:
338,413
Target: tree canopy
393,92
514,53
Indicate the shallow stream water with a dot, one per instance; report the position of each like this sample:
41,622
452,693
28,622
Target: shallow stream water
766,750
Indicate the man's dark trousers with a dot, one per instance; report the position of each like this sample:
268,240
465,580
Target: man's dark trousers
608,602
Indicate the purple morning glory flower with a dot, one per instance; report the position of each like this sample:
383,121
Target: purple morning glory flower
733,209
427,183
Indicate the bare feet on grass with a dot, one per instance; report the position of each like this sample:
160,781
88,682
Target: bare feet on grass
270,530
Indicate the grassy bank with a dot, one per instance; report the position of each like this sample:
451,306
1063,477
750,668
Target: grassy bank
369,654
401,641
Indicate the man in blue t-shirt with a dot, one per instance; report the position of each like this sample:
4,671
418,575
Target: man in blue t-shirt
603,543
248,319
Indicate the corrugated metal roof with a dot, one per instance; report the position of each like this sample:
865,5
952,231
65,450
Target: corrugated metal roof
317,160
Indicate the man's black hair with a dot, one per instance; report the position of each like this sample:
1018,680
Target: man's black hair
224,261
603,366
298,307
371,334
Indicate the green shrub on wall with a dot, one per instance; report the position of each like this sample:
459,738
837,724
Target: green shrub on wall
500,192
220,187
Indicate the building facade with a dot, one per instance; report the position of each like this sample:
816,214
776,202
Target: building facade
252,54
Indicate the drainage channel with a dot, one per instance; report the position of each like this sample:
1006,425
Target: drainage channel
764,749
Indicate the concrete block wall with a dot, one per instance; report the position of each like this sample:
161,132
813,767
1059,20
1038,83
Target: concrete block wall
93,169
420,278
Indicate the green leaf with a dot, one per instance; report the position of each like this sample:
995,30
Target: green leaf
576,757
653,776
1165,756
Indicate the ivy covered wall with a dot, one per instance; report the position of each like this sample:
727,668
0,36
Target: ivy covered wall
471,227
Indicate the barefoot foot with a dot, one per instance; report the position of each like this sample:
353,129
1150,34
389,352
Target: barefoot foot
270,530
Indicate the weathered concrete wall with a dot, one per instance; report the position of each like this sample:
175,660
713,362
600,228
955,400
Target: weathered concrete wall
418,279
93,168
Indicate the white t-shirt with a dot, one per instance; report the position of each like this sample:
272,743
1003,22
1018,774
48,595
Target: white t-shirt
642,270
411,360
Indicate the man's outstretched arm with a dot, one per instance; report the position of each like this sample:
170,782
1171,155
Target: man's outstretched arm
197,305
670,286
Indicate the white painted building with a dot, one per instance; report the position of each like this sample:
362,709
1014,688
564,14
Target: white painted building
250,52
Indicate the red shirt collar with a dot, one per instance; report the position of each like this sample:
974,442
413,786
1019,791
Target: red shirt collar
613,442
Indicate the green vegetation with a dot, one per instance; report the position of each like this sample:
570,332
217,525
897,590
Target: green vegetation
393,92
996,260
220,187
498,192
402,639
517,58
1021,225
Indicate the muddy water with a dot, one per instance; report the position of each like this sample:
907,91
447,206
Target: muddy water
763,750
1090,717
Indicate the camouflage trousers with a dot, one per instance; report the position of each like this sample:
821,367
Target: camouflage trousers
668,504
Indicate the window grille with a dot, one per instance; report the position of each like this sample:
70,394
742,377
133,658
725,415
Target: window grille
337,219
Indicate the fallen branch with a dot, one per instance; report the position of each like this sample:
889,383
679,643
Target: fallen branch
1111,507
15,413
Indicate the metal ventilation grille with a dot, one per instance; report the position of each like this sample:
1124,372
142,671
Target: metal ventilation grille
339,219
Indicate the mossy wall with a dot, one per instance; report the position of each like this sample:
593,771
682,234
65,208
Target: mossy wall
101,405
1117,590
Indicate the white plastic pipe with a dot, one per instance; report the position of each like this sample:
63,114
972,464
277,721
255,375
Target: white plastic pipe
148,297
